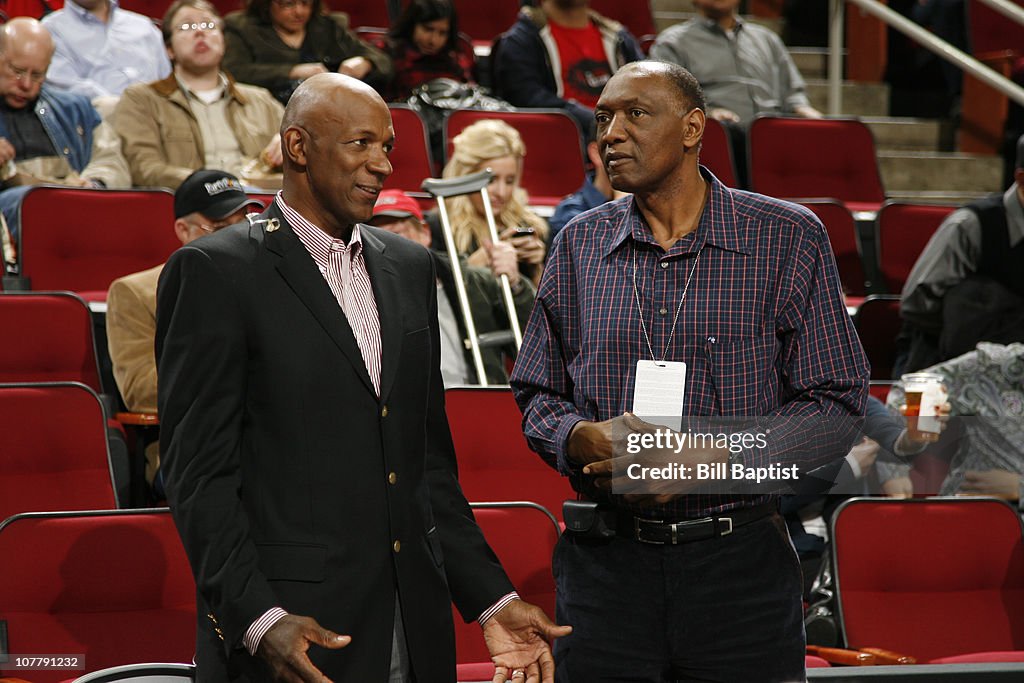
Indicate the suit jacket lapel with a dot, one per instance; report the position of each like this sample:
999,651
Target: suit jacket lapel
299,270
386,290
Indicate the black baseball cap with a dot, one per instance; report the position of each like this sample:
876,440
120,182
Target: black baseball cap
214,194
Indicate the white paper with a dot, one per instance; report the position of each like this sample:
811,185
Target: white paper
658,393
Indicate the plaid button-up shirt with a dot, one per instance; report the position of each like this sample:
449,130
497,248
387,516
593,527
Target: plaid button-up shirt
764,331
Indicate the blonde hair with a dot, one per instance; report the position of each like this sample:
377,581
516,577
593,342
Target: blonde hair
476,144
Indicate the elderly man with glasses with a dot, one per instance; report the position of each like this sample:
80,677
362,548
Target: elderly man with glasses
46,136
198,117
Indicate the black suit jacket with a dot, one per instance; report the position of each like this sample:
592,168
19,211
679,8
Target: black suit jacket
279,456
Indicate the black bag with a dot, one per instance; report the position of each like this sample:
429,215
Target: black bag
435,98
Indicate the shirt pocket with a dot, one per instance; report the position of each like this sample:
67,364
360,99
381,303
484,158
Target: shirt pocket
742,373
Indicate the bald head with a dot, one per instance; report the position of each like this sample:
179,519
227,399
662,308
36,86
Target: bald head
26,48
336,136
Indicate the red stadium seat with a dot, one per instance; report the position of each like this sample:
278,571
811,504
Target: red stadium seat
930,578
553,167
483,21
523,536
54,454
495,464
112,586
634,14
902,232
51,339
716,152
878,323
410,159
842,235
796,157
81,240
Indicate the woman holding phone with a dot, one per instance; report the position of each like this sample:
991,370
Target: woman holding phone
495,145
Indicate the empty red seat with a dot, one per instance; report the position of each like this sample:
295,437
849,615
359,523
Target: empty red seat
54,452
902,232
81,240
50,339
931,578
113,586
523,536
797,157
553,167
878,323
495,464
716,152
411,158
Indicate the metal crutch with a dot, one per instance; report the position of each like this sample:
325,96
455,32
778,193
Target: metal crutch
441,189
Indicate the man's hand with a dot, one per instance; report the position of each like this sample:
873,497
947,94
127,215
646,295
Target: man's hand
807,112
724,115
6,151
284,648
865,453
356,67
303,71
272,155
501,257
601,447
998,483
900,487
517,638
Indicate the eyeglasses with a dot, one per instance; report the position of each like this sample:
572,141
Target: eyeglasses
19,73
200,26
291,4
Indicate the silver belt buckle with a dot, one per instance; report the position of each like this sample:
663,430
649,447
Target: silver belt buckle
729,530
636,530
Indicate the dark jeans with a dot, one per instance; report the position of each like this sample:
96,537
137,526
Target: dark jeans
724,609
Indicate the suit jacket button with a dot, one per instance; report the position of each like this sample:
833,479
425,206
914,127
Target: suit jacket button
392,477
384,411
397,545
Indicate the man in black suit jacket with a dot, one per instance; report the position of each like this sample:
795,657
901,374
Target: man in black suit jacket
309,464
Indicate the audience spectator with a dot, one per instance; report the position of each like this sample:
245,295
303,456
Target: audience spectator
560,55
985,390
495,145
197,117
596,190
276,44
967,285
398,213
206,202
102,48
744,68
46,136
424,44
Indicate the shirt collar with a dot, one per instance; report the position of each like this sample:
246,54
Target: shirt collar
718,226
317,242
189,92
712,25
85,15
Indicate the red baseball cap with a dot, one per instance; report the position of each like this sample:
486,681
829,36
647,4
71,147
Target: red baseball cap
396,204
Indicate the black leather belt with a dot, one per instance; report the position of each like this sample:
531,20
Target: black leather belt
658,532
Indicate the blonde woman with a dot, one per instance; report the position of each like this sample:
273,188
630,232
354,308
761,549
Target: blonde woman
495,145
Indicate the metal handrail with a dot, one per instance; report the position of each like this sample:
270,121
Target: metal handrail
925,38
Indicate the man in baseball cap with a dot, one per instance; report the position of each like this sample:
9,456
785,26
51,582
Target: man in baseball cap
205,202
400,214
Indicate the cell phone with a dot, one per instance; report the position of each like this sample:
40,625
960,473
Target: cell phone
523,231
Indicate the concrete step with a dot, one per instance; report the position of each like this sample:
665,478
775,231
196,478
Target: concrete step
939,172
905,134
859,99
811,62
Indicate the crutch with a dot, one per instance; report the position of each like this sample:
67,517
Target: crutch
441,189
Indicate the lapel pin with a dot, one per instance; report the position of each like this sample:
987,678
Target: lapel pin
273,224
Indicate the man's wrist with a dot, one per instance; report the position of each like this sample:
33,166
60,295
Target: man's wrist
254,634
